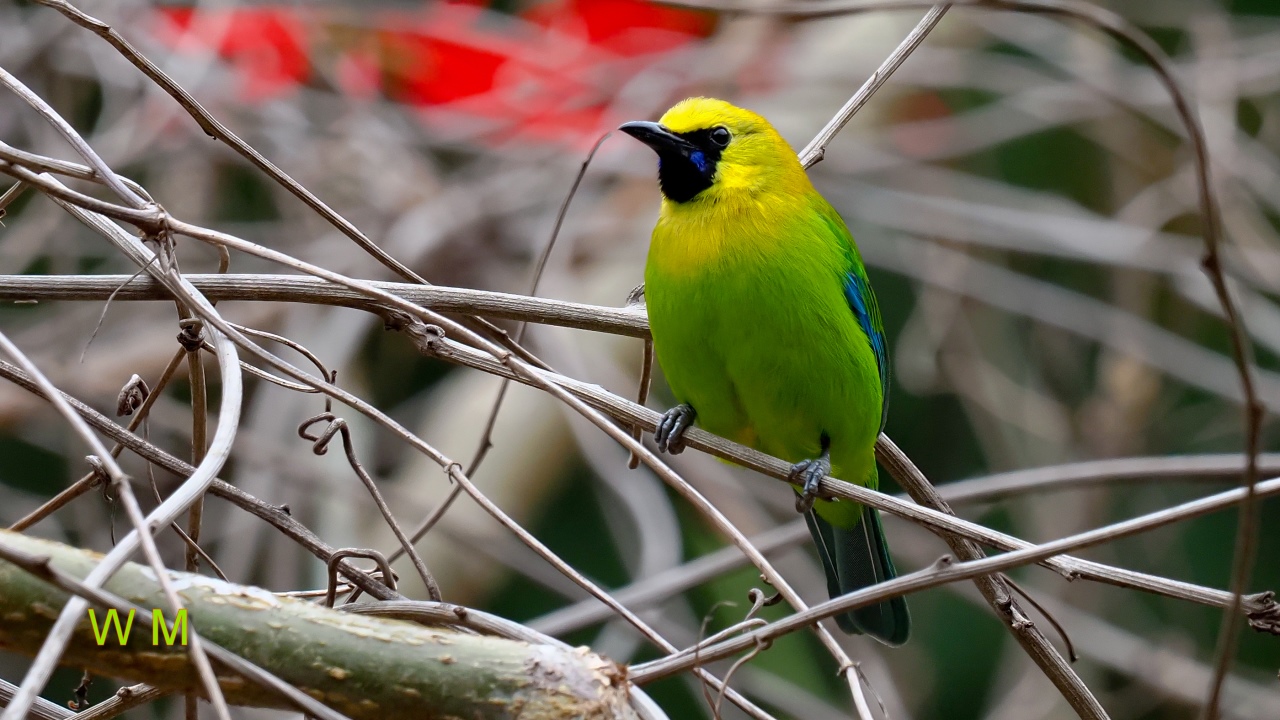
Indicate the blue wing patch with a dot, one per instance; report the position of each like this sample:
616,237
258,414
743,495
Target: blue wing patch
863,304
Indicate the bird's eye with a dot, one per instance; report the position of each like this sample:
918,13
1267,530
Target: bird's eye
720,135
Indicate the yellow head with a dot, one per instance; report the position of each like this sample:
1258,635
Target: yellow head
709,150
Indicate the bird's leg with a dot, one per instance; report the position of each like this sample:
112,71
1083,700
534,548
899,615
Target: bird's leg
809,473
669,436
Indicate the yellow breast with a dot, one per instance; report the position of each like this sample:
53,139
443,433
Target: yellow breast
691,238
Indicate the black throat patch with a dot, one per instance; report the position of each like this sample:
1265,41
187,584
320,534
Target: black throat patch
682,178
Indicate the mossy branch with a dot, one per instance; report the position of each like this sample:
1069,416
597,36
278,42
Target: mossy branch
365,667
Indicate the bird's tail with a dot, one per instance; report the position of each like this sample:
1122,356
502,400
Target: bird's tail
858,557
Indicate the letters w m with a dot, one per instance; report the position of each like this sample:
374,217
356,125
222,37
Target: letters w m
100,635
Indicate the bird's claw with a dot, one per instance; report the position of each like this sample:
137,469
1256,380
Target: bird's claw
808,474
669,437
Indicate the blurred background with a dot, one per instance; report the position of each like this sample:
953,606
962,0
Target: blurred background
1020,190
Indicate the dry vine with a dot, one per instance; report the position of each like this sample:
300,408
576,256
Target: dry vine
463,328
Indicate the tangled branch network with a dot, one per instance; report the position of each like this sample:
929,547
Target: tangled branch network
958,238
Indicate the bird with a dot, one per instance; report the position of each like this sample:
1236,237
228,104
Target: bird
765,325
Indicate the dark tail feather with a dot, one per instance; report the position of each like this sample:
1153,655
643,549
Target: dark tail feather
858,557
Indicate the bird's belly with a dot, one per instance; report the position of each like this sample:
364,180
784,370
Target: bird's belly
769,370
805,388
684,321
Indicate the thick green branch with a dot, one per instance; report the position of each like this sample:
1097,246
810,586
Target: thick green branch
365,667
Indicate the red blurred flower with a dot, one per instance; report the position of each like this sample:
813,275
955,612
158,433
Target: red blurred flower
266,46
548,73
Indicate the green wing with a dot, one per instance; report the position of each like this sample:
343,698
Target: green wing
862,302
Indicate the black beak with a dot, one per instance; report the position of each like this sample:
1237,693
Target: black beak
658,137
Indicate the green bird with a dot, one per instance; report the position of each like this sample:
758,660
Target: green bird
767,330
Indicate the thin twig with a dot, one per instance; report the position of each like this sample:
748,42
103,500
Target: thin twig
13,192
146,218
1245,546
293,288
87,482
199,434
101,171
217,130
275,516
59,635
994,588
40,710
191,340
166,513
985,282
947,571
813,153
627,412
642,394
43,163
179,286
486,435
87,592
125,699
1057,626
455,491
671,582
320,445
454,471
336,558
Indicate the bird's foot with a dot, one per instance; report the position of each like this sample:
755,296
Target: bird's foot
808,475
669,437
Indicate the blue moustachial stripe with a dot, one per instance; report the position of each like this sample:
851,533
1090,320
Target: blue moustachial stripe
699,160
856,292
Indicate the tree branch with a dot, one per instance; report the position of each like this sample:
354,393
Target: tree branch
365,667
631,322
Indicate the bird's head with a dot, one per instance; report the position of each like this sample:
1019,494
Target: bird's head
711,150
